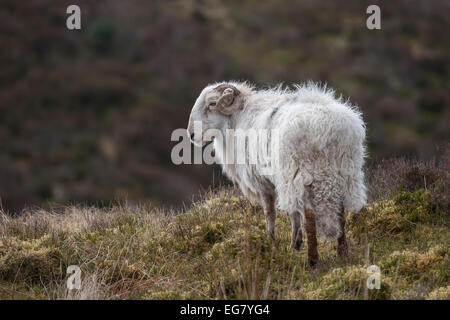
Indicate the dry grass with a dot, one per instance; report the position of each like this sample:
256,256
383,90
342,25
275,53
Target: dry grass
218,249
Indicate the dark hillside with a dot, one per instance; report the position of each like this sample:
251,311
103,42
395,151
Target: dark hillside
86,116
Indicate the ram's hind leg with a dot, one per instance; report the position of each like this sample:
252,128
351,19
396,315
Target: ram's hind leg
268,205
297,237
310,227
342,248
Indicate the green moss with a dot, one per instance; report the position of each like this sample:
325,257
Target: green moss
428,265
380,219
28,260
167,295
414,206
397,217
347,283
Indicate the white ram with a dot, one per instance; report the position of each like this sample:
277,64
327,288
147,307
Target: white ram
321,153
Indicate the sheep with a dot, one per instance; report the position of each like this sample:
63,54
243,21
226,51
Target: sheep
319,174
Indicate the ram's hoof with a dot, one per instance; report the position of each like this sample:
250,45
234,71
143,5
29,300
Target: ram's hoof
297,244
312,263
342,252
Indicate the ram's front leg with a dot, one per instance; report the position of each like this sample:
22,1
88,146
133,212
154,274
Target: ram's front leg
296,238
267,202
310,227
342,248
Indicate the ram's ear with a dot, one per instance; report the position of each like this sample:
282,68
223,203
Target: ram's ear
228,101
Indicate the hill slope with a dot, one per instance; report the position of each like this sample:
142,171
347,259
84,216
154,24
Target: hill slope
218,249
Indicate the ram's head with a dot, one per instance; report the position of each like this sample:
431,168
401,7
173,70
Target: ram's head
213,109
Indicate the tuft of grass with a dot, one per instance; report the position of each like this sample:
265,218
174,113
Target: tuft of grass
28,261
217,249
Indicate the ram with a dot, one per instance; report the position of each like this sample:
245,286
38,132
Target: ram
318,175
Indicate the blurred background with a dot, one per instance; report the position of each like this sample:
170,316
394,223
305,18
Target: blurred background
86,115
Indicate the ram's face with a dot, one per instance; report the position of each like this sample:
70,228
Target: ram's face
212,110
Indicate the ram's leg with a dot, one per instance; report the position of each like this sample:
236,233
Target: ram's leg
310,226
270,214
297,237
342,249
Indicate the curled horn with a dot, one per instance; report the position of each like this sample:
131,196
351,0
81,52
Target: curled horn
226,104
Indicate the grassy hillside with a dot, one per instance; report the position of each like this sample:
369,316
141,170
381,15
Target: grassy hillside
218,249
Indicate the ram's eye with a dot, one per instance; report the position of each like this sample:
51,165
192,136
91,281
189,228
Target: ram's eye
212,104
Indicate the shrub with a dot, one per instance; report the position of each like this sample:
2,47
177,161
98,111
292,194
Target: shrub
395,175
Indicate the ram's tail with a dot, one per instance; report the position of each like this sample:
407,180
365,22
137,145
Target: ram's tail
355,196
327,194
326,197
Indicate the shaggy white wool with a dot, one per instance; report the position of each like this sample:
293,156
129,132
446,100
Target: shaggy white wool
321,149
